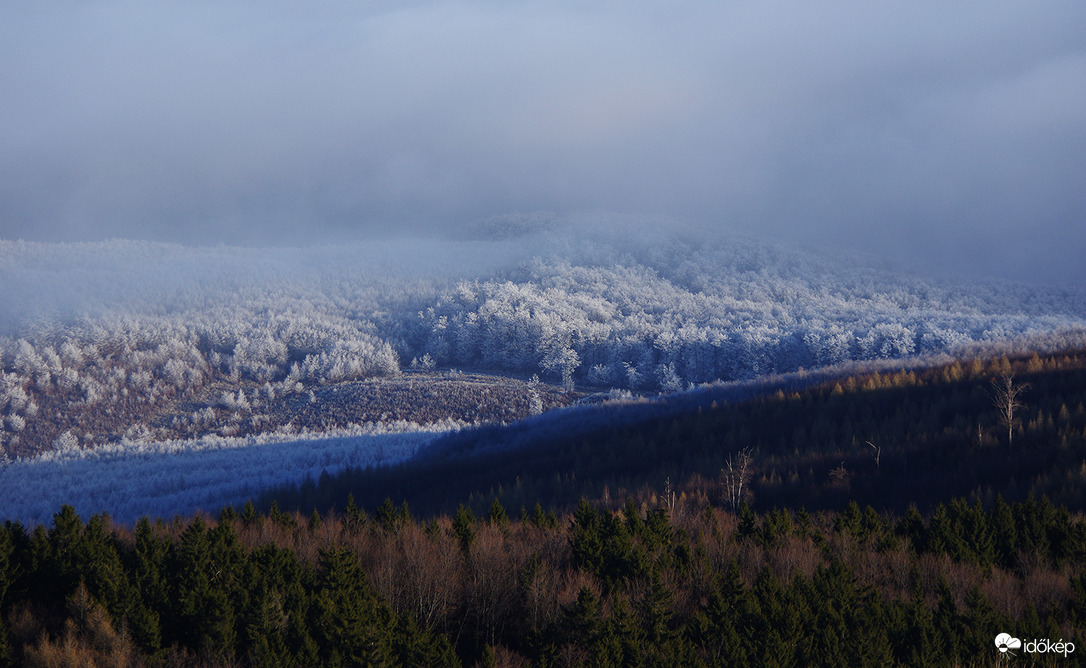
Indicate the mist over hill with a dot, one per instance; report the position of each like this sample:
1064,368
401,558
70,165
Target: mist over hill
95,335
112,352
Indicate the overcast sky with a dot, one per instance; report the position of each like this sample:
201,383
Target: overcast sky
950,134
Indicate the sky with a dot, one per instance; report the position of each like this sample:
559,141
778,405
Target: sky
950,136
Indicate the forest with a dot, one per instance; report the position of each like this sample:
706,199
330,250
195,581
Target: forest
608,452
880,518
113,341
647,584
890,439
487,333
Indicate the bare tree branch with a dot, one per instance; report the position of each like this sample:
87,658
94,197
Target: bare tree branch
878,453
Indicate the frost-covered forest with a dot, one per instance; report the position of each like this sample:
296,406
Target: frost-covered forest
122,344
107,330
131,480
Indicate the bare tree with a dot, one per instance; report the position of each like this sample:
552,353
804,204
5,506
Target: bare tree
736,472
878,453
1005,396
669,495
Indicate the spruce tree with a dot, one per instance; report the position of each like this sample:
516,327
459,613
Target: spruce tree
497,515
349,624
585,540
464,527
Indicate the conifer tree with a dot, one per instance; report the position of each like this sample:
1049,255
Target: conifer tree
249,514
102,570
978,536
464,527
979,618
947,621
921,642
629,632
391,517
65,553
7,575
263,628
656,610
150,583
584,620
497,515
585,539
633,517
205,615
350,625
356,517
912,527
748,521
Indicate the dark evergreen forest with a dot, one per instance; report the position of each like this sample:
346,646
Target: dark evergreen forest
649,585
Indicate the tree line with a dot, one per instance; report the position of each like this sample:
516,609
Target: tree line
643,584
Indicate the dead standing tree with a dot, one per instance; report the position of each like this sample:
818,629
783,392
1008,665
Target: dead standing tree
878,453
736,472
1005,396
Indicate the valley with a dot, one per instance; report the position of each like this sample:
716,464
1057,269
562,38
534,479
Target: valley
556,335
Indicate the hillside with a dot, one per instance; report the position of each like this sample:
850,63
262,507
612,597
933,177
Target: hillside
844,489
890,439
884,518
114,341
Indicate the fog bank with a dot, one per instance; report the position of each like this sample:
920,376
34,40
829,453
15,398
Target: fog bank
946,137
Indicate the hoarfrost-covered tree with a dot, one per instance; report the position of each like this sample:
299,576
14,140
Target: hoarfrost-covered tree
66,442
27,360
71,353
425,363
535,403
15,396
667,379
599,375
67,379
563,360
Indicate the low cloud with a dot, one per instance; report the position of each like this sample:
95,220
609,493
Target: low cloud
948,137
